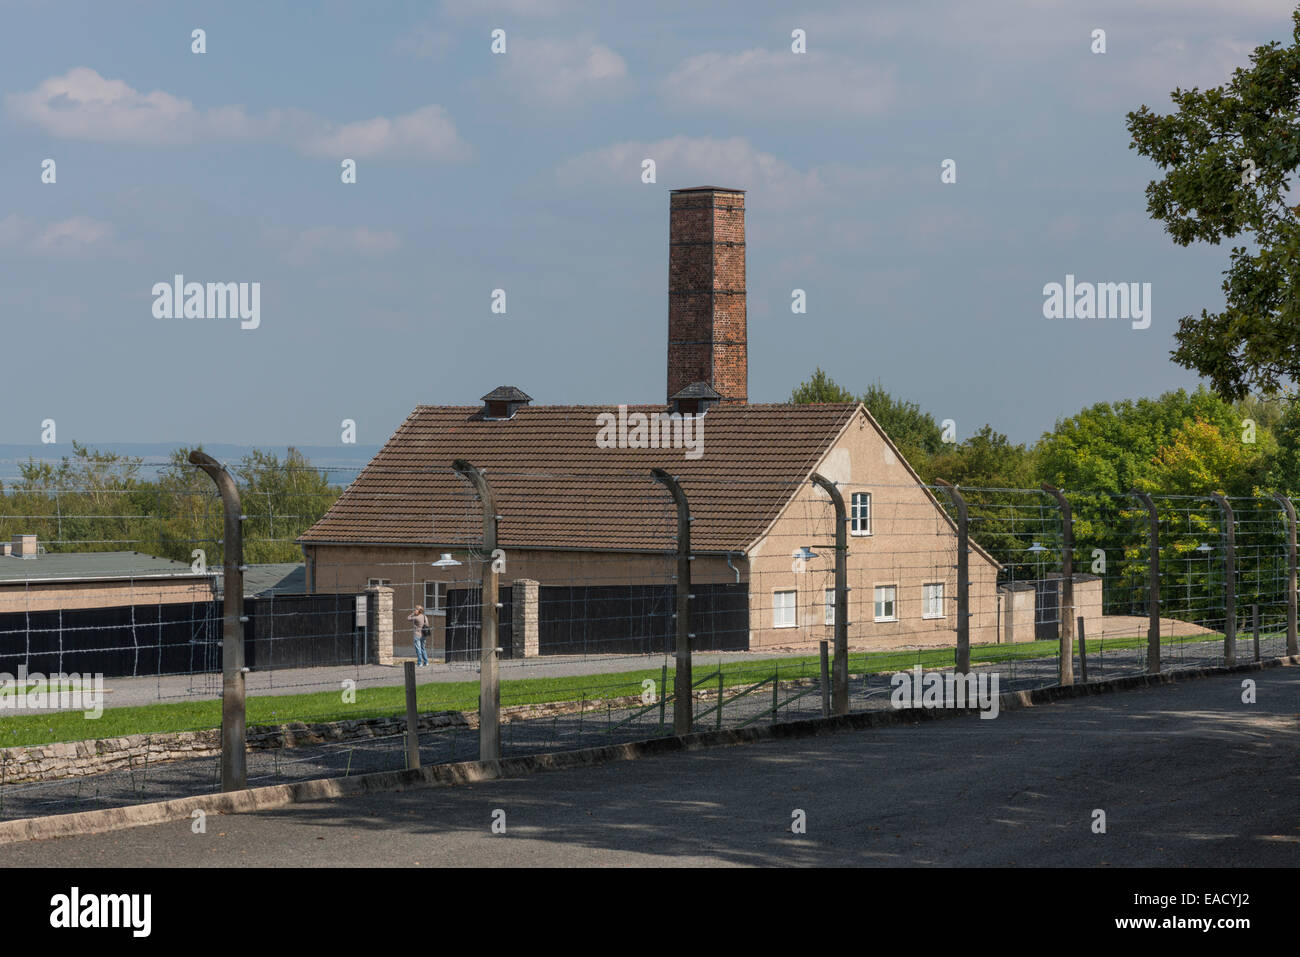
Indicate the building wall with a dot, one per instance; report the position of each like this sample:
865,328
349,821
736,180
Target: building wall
911,544
348,568
53,596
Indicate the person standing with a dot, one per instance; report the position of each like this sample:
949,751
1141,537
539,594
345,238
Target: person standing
421,625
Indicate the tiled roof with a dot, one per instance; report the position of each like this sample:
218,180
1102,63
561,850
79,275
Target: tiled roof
507,393
555,488
91,566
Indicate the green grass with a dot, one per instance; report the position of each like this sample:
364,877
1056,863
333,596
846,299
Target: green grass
463,695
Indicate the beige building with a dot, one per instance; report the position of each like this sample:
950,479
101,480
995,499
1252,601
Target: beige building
575,516
34,580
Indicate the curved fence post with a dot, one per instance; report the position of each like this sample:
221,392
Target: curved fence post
489,683
234,756
840,665
963,577
1289,508
683,689
1153,582
1066,611
1229,582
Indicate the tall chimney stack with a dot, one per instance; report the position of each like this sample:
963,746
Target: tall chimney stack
707,339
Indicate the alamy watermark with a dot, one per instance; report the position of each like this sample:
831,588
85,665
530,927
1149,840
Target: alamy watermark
1103,300
179,299
660,430
937,689
56,692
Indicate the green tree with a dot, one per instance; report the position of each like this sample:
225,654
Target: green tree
914,431
820,388
1228,154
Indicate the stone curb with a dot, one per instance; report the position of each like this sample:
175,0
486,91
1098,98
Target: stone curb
468,772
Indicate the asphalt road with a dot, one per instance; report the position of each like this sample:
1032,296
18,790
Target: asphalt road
1186,774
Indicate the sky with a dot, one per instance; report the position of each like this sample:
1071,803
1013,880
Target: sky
522,171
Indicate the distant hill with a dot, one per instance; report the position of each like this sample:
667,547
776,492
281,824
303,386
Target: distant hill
342,461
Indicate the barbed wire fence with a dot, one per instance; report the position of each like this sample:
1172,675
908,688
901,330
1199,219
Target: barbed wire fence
591,646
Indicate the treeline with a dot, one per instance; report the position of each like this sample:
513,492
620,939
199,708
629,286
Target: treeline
1180,447
94,500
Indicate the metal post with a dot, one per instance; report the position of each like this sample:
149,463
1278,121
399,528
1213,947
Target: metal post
826,683
234,757
489,699
683,692
963,577
1289,508
412,731
663,693
719,723
1254,627
1229,584
1066,611
1153,582
1083,650
840,669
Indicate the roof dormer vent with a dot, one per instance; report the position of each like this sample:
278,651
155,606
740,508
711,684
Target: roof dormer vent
503,401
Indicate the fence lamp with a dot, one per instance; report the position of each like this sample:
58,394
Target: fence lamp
446,561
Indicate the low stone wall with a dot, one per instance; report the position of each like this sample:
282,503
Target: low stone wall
72,759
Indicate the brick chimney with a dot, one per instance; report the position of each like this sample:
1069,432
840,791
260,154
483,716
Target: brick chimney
707,341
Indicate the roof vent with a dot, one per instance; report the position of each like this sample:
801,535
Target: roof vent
696,399
503,401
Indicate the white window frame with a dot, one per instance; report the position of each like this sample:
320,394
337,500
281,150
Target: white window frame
778,619
439,605
857,525
379,582
893,600
829,602
926,601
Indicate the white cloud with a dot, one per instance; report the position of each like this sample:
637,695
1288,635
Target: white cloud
683,161
518,8
763,82
558,70
308,245
427,131
82,105
65,237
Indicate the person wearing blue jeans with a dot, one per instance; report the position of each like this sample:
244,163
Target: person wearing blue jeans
421,625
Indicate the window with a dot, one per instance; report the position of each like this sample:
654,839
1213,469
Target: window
860,514
885,610
371,583
932,605
830,606
783,609
435,598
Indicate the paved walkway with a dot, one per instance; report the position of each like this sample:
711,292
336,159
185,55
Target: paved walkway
1186,774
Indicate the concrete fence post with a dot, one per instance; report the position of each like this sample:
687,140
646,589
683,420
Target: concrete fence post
412,718
1289,509
489,696
963,577
1066,612
840,666
234,744
825,679
1083,648
1229,582
1153,582
683,690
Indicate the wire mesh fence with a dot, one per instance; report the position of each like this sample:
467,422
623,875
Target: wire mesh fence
121,589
